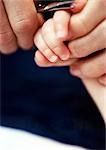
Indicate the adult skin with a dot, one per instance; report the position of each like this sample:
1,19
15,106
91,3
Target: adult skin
18,23
92,40
89,39
98,93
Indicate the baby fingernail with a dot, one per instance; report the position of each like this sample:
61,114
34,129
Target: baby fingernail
53,58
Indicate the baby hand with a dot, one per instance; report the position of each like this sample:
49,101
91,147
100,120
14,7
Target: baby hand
49,45
50,42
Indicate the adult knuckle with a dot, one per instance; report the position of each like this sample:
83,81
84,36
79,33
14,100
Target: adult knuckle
75,50
22,26
2,39
80,22
5,37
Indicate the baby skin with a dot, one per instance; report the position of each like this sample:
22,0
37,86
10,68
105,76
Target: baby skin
52,38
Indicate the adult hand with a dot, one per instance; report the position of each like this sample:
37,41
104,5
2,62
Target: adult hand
18,23
88,31
91,67
86,27
92,35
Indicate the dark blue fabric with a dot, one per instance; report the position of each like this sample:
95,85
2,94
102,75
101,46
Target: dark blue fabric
49,102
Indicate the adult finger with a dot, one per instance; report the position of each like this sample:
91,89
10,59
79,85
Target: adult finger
92,67
85,21
90,43
78,5
7,38
23,19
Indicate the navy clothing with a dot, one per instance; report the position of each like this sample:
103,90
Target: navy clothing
48,102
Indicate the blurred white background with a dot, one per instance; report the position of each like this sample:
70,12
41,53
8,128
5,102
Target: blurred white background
11,139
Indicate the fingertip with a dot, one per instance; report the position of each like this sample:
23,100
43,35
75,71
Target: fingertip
78,5
61,23
8,51
40,60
